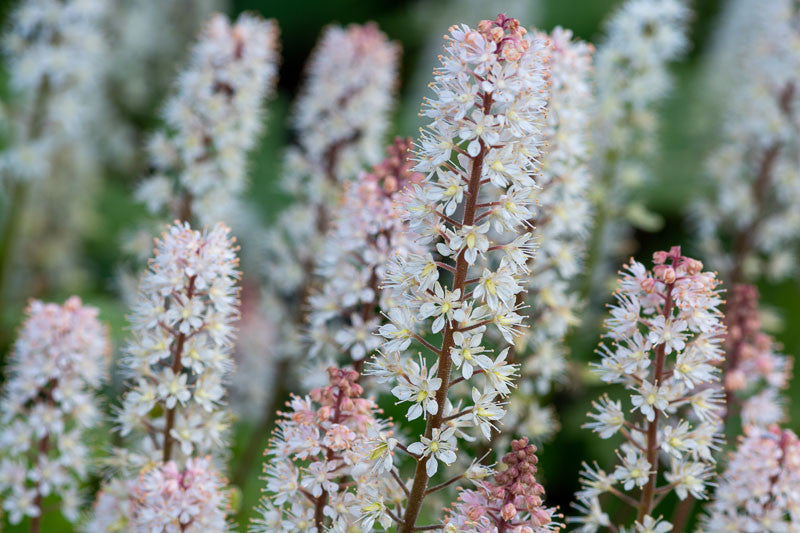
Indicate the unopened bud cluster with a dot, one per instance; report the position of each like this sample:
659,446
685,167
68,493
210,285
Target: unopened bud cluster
511,502
756,372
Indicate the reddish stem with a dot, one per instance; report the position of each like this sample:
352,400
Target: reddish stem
420,483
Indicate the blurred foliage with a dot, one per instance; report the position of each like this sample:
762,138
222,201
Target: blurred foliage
679,167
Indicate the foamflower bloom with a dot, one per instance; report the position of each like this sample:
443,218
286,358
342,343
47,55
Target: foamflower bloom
491,94
213,120
666,334
58,363
758,491
749,224
561,229
329,436
366,229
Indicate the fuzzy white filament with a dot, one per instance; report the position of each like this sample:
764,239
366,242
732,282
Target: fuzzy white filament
59,361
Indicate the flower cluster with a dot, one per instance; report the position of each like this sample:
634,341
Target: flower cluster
631,77
54,55
759,488
755,372
479,155
59,361
512,502
341,114
178,358
340,120
54,52
754,171
561,228
191,499
317,472
212,121
366,230
667,335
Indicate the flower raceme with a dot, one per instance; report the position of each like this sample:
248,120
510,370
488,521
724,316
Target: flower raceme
212,121
561,229
179,355
177,362
340,119
758,490
631,77
366,230
59,361
318,473
755,185
755,372
667,335
479,155
191,500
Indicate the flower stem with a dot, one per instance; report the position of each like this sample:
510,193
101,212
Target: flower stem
420,484
646,501
176,368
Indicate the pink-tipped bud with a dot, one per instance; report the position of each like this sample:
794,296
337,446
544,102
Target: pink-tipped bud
509,512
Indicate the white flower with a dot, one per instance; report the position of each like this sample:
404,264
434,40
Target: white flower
399,331
498,372
441,446
653,525
609,418
420,388
466,350
486,411
669,333
443,304
634,470
649,398
320,477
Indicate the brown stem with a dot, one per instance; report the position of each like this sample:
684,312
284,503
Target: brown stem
177,366
420,483
44,445
646,501
743,242
682,513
